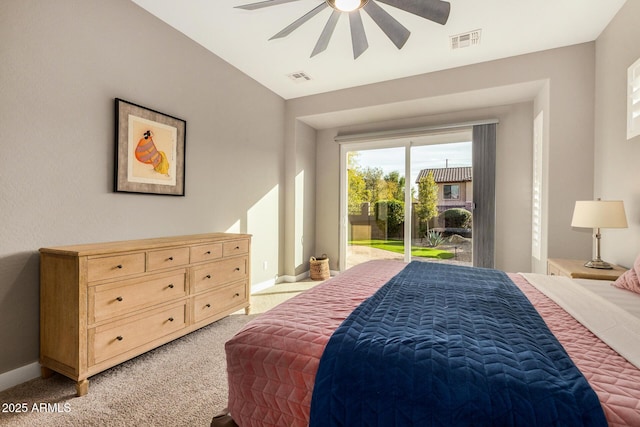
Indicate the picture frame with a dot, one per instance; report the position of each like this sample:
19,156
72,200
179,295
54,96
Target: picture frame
149,152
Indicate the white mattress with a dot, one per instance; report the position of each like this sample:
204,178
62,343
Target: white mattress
623,298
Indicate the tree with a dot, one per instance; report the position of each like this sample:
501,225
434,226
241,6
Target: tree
393,187
357,192
427,206
372,182
385,194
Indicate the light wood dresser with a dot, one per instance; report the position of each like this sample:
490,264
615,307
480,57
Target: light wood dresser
102,304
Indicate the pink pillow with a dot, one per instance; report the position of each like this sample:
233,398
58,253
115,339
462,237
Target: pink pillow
630,279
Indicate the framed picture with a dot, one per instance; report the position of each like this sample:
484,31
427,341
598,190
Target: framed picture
150,151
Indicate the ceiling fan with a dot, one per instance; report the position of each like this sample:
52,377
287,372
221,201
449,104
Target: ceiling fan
433,10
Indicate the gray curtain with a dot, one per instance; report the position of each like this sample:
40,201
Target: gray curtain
484,194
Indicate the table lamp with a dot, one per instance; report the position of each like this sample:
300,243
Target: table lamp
599,214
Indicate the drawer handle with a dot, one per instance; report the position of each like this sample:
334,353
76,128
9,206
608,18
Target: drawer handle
170,319
119,337
208,305
119,298
237,295
170,285
170,258
237,269
119,266
237,248
208,253
208,276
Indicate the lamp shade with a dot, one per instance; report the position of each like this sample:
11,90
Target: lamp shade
599,214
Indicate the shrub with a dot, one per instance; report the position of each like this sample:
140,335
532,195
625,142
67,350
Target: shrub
390,216
457,218
434,238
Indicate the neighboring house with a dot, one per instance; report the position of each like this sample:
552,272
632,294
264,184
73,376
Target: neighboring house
455,188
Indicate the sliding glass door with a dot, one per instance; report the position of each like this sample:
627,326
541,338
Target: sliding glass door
375,204
442,202
395,195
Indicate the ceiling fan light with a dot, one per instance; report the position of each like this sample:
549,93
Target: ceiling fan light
346,5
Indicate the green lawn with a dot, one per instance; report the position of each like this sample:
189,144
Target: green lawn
398,247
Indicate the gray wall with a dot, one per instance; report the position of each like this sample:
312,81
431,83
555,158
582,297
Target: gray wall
617,175
300,212
62,65
559,82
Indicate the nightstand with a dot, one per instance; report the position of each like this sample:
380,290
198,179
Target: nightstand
575,268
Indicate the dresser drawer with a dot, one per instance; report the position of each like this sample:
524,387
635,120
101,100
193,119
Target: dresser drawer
114,339
114,299
206,252
112,267
216,273
553,270
235,247
167,258
214,302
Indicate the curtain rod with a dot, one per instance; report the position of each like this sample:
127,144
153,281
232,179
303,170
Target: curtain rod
405,133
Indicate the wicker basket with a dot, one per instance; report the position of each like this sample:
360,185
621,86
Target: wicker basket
319,268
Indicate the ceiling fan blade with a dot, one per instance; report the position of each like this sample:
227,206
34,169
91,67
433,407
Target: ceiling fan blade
326,34
396,32
433,10
260,5
358,36
298,22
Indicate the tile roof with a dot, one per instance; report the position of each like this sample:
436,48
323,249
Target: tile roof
459,174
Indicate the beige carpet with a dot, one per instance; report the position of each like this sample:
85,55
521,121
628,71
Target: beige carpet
182,383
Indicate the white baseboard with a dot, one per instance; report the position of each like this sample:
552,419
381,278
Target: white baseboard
300,277
19,375
293,279
257,287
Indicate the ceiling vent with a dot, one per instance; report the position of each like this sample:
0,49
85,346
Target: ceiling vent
299,77
472,38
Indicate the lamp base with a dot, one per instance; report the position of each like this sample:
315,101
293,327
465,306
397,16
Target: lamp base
598,263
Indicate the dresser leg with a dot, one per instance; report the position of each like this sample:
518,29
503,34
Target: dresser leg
46,372
247,310
82,387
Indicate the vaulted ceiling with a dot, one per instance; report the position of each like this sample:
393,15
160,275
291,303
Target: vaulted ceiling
505,28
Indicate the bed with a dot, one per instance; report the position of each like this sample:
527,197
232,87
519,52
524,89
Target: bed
273,363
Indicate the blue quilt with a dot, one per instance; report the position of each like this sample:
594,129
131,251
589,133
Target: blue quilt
445,345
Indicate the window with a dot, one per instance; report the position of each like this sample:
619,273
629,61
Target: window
451,192
536,212
633,100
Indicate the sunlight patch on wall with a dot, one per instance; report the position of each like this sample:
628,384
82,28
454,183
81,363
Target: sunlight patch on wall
299,220
235,228
263,221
